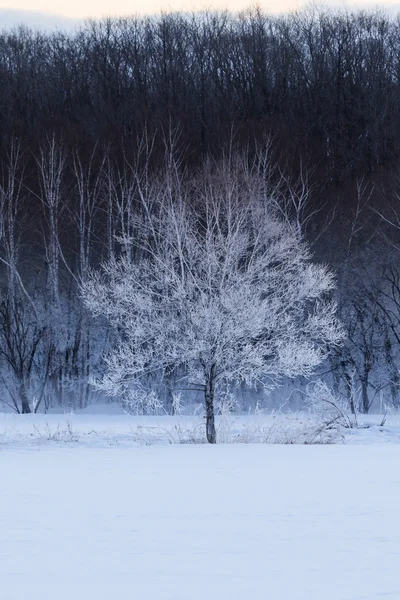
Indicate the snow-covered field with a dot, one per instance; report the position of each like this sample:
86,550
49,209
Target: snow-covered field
103,516
177,522
110,426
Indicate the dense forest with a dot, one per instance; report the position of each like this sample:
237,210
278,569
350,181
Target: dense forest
88,120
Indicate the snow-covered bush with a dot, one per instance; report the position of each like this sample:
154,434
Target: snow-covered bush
139,401
332,411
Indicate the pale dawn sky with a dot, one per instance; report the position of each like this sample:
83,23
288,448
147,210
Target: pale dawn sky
98,8
50,13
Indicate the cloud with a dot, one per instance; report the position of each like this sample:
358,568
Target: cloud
10,18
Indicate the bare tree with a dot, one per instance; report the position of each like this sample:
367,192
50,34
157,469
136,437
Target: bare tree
26,354
11,197
51,165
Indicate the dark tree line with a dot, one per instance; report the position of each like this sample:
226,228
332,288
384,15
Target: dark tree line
87,119
326,81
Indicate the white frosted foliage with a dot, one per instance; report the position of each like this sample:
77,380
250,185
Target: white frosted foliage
220,288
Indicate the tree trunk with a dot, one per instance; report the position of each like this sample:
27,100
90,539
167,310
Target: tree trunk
364,397
25,408
350,393
211,433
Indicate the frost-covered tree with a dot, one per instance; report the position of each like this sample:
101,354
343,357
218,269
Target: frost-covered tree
218,288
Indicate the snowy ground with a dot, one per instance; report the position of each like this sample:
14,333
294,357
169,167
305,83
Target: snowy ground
90,511
227,522
110,426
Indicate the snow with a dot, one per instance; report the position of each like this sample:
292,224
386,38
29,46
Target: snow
89,510
180,522
108,425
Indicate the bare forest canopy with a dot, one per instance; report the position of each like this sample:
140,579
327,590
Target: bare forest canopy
325,85
85,116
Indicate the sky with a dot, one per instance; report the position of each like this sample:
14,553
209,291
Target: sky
97,8
68,13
